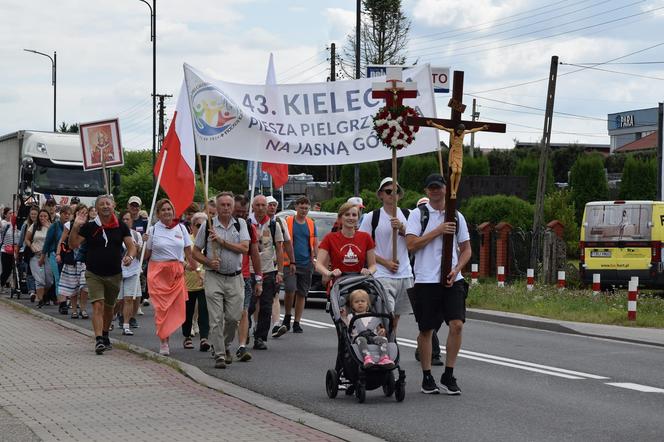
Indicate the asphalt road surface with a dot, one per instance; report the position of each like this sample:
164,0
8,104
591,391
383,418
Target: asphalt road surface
518,384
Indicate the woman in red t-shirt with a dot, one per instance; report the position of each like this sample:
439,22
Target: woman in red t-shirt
346,250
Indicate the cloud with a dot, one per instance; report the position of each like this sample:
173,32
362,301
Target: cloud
340,21
463,13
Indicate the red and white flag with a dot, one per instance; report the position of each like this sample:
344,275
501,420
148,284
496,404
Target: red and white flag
178,178
279,172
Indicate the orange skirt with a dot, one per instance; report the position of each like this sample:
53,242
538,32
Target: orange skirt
168,294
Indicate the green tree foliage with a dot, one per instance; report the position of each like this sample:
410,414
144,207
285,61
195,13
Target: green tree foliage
587,182
502,161
137,182
68,128
415,169
476,166
639,179
529,167
497,208
232,178
559,206
562,161
369,177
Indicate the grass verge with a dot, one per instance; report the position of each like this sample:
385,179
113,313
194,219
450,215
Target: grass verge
569,305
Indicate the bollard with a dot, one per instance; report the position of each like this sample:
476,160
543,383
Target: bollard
530,281
501,276
561,279
636,281
474,273
631,300
596,284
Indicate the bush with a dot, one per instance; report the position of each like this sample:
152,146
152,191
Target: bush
529,167
639,179
415,169
562,161
559,206
476,166
587,182
497,208
501,161
232,178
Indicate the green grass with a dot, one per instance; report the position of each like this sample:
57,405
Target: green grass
569,305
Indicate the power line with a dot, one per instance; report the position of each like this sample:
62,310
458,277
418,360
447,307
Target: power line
584,117
614,72
303,62
557,132
290,77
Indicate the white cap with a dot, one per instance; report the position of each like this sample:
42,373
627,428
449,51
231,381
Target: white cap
357,201
270,199
423,200
135,199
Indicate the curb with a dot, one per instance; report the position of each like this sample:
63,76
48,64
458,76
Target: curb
549,325
197,375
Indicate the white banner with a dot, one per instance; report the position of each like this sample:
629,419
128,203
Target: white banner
314,123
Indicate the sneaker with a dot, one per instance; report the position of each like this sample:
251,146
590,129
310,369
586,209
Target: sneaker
164,350
229,357
368,361
205,345
140,311
278,330
219,362
133,323
146,302
100,347
242,354
449,386
386,362
435,360
127,332
107,343
286,322
259,344
429,385
297,328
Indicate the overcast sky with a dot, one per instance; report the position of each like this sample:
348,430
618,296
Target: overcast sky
104,56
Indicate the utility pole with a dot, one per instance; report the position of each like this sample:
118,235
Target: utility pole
358,23
472,135
660,147
333,77
161,98
538,219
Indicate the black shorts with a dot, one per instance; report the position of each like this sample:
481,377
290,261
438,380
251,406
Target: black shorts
435,303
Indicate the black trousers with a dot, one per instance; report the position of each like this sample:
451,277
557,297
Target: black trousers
203,318
265,303
7,267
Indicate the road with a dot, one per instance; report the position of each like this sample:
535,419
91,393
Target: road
518,384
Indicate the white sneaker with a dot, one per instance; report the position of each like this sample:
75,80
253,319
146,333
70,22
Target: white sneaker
164,350
140,311
127,332
146,302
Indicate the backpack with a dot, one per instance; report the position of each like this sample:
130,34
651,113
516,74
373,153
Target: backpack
237,226
67,254
273,230
375,217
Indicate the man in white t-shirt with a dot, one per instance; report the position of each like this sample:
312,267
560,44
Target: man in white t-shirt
395,275
436,302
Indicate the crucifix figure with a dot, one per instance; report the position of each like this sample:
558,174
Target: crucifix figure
457,128
393,91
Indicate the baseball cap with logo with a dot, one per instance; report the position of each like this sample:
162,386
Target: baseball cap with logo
135,199
357,201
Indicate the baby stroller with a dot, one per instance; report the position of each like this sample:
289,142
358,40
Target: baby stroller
349,372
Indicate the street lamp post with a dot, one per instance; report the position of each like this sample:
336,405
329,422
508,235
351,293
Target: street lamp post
153,39
54,66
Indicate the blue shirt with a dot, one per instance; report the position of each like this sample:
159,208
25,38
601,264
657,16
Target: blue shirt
301,245
53,235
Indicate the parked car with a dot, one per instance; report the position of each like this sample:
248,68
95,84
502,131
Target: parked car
324,222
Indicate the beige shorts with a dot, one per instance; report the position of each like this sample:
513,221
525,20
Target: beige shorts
103,287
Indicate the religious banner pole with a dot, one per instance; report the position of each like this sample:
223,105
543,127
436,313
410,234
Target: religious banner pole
103,168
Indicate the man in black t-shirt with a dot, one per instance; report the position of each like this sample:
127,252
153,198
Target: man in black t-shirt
103,237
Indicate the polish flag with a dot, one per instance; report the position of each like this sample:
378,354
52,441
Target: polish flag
279,172
178,177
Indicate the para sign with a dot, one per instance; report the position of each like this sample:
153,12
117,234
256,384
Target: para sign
315,123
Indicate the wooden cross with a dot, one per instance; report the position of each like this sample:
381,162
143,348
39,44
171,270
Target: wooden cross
393,91
455,159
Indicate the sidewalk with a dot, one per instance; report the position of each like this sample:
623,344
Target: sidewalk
54,387
641,335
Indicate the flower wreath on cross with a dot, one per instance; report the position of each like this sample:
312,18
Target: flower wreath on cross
390,126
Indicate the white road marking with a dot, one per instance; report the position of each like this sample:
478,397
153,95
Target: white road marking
637,387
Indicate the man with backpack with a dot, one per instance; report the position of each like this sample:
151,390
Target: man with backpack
395,275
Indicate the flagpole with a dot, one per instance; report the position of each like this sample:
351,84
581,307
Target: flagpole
207,173
253,187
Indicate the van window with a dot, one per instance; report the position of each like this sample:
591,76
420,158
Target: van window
618,222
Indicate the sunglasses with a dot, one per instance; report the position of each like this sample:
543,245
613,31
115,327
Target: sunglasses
198,225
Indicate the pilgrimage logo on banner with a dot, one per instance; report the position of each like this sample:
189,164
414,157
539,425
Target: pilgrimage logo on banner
313,123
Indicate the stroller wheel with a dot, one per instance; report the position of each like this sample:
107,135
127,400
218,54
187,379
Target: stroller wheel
388,386
331,383
400,390
361,393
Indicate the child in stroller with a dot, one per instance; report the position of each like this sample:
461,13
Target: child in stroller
354,372
367,330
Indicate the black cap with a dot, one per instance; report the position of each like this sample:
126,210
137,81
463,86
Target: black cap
75,200
435,179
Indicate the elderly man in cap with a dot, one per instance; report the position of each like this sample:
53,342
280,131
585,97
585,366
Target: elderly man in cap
134,205
395,274
435,301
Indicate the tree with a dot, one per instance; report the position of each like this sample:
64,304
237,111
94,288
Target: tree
383,35
497,208
587,182
529,167
369,177
71,129
502,161
232,178
477,166
562,161
559,206
415,169
639,179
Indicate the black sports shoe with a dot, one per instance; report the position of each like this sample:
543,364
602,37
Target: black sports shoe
242,354
259,344
297,328
133,323
449,385
429,385
278,330
286,322
100,347
107,343
435,360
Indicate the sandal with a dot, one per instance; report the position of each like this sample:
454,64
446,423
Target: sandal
84,314
188,343
205,345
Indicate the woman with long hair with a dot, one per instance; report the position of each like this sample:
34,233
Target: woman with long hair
40,267
27,253
168,249
72,277
130,289
9,243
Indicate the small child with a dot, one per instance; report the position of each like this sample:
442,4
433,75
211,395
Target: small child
369,330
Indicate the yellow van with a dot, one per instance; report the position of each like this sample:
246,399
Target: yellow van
621,239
